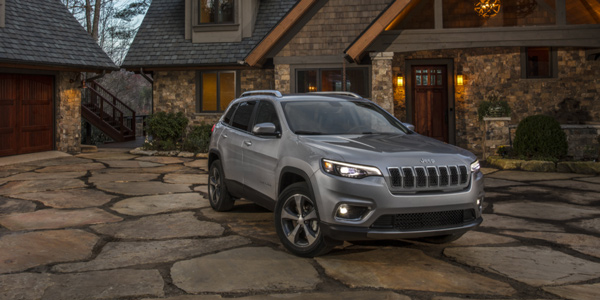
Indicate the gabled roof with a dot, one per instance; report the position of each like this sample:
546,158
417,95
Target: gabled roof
44,32
160,41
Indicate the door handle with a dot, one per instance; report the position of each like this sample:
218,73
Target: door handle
224,136
248,143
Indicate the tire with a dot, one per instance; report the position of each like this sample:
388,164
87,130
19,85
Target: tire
218,195
441,239
299,230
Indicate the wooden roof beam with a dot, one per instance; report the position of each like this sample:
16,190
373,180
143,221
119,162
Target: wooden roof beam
356,49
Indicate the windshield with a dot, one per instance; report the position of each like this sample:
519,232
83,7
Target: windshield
339,117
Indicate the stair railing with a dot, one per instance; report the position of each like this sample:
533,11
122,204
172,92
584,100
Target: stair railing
110,108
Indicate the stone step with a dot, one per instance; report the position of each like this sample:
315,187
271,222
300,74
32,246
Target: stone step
88,149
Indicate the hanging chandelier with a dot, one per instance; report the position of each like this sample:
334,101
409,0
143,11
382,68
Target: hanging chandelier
487,8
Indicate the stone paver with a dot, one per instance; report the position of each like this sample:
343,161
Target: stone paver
155,170
24,286
371,295
56,218
544,210
42,176
510,223
186,178
199,163
15,169
105,285
572,185
21,187
595,179
592,225
150,205
125,254
473,238
576,292
247,219
9,206
235,271
536,266
163,159
168,226
58,162
499,183
75,198
586,244
402,268
534,176
202,189
130,164
71,168
20,252
121,177
142,188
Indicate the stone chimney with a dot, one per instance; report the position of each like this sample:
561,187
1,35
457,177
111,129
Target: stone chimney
2,13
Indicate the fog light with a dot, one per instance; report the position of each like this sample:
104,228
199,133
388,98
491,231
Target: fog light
350,212
480,204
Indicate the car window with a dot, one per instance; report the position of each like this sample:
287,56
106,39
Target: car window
340,117
229,114
267,114
243,115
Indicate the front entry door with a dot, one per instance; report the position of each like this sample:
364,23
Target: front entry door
430,98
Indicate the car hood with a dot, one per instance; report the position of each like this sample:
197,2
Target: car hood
396,145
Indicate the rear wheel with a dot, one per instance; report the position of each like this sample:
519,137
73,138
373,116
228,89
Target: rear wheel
218,195
297,222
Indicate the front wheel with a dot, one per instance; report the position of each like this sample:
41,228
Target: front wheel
218,195
297,222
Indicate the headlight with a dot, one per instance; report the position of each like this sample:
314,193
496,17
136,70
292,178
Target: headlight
349,170
475,166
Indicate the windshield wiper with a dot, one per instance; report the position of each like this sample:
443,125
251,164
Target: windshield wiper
308,132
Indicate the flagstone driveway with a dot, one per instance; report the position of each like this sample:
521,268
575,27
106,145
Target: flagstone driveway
111,225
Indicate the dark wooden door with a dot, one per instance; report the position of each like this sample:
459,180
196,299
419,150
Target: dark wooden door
430,98
26,113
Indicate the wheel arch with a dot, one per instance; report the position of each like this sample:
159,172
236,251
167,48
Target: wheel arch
291,175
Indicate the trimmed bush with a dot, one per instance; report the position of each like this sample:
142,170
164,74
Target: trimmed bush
166,130
540,137
197,139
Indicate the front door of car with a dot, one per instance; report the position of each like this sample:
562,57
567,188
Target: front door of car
261,153
233,142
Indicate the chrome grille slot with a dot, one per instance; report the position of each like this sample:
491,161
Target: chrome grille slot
428,177
421,177
409,177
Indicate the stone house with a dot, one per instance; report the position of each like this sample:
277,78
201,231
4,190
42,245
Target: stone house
429,62
43,52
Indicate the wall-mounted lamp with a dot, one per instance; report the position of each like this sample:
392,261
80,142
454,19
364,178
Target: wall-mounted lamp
460,79
399,80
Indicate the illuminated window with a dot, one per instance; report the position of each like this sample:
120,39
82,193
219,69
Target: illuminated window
215,11
539,62
215,91
330,80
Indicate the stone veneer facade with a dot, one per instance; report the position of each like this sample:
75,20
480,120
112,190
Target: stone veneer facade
499,70
175,91
68,113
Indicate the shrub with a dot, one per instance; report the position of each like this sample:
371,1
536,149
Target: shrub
166,130
493,107
197,139
540,137
505,151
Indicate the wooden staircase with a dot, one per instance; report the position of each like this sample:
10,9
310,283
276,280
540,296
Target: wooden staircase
109,114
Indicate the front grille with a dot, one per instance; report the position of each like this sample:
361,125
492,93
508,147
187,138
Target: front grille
419,178
424,221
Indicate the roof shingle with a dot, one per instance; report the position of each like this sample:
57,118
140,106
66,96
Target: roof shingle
44,32
160,41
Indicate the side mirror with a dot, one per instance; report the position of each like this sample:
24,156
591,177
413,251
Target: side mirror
265,129
409,126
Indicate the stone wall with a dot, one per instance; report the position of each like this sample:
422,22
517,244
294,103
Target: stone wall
282,79
175,91
334,27
382,80
68,113
499,70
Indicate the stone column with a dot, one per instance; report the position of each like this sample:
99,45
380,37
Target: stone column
68,112
282,78
382,81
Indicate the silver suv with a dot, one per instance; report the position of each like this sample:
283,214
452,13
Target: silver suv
336,167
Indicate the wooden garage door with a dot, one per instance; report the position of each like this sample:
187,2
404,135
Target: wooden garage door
26,114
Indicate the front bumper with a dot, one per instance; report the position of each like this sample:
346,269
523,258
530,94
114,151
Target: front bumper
373,192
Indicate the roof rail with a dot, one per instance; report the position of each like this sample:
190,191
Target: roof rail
262,92
350,94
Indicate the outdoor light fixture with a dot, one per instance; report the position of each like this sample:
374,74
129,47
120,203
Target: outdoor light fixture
487,8
399,80
460,80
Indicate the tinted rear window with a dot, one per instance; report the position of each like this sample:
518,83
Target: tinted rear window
243,114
